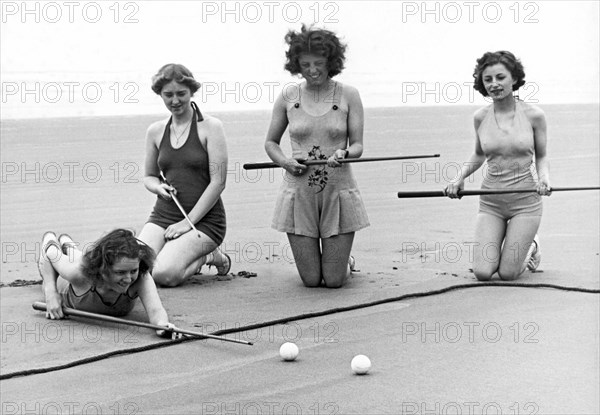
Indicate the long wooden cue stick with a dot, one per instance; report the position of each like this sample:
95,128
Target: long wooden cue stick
78,313
271,165
181,207
441,193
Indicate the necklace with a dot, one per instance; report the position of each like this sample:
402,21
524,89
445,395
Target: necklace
178,136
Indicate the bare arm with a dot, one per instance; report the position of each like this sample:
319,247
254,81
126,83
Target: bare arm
69,268
51,294
356,123
472,165
540,137
279,123
475,161
154,309
216,146
152,180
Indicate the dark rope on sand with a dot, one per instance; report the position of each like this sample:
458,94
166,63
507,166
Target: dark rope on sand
285,320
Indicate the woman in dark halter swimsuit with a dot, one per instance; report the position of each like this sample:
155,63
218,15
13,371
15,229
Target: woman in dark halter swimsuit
190,150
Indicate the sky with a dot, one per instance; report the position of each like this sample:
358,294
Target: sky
70,58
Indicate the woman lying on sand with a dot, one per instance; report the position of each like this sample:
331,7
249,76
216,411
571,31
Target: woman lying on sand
107,279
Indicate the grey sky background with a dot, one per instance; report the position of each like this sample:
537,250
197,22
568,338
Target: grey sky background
97,58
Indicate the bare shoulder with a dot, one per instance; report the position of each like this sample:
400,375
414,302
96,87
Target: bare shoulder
350,98
211,124
79,281
534,113
212,121
156,129
159,125
349,92
480,115
287,97
138,285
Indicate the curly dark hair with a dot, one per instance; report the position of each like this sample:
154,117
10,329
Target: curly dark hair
120,243
514,66
174,72
319,42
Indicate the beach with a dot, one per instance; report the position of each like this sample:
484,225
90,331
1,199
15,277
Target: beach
83,176
76,102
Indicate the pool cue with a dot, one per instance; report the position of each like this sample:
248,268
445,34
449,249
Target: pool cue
271,165
442,193
78,313
180,207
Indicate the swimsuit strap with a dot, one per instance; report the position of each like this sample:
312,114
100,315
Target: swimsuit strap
334,107
297,104
167,132
199,116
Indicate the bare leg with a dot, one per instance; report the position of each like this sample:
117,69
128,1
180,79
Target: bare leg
489,234
176,259
53,264
153,236
47,271
307,254
67,265
519,237
69,248
334,262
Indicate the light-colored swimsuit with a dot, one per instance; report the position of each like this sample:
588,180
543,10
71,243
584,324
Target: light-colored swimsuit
324,201
509,155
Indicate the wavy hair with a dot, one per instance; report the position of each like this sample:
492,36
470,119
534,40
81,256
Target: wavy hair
174,72
514,66
117,244
316,41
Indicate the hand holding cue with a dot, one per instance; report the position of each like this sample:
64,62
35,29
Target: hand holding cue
442,193
179,206
78,313
271,165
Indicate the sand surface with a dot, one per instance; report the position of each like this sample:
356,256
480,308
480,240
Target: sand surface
83,176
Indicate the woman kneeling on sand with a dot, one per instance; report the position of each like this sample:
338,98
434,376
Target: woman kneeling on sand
190,149
511,136
320,208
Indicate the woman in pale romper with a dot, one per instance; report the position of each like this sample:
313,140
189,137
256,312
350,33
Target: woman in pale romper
319,207
510,134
